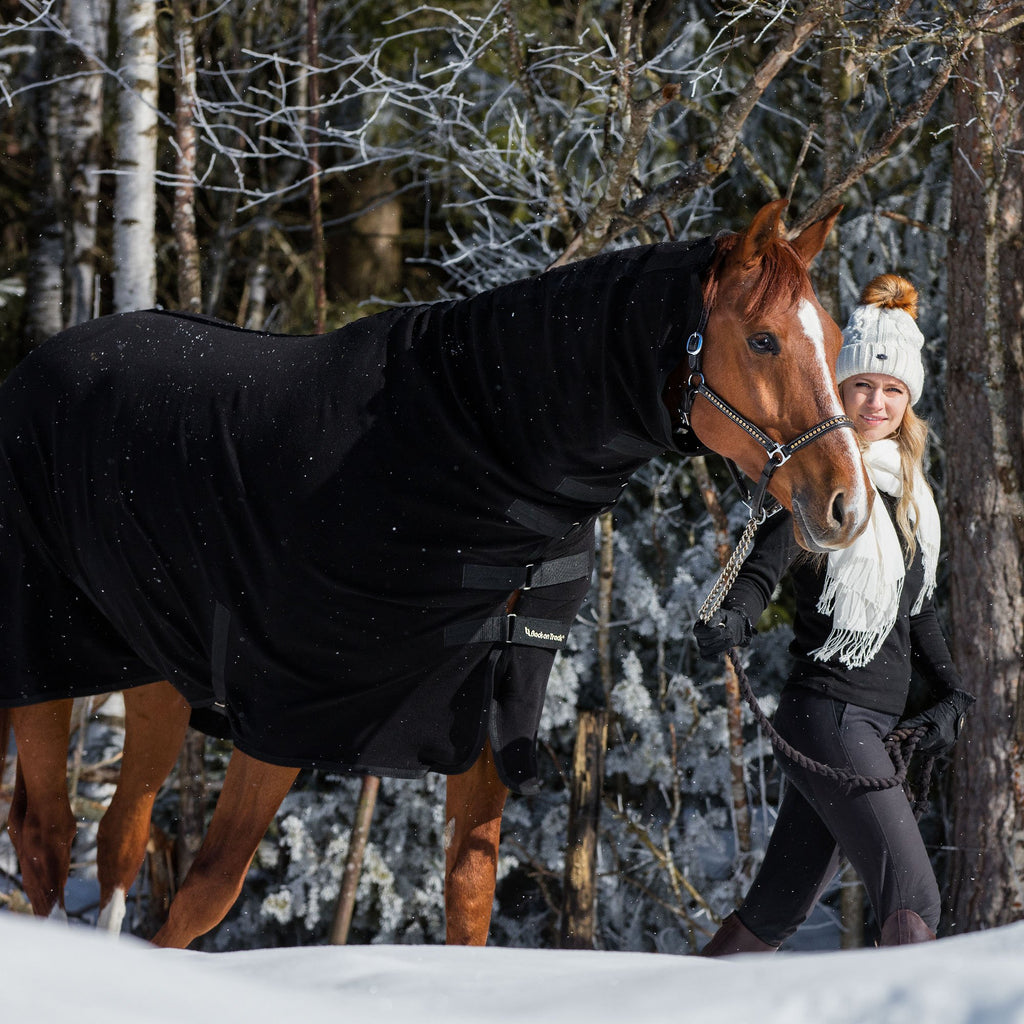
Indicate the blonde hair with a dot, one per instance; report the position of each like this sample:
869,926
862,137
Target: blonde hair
912,440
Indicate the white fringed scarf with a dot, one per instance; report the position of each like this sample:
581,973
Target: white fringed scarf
863,582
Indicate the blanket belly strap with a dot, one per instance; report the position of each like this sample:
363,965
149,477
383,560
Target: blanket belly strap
579,490
509,629
636,447
527,577
539,520
221,622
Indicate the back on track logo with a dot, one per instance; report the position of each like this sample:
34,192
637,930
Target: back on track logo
536,635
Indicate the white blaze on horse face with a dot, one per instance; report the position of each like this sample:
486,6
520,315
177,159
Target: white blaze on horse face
815,332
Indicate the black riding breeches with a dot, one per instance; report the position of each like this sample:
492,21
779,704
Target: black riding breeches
819,820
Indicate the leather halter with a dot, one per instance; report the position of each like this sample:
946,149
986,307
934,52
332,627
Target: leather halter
777,453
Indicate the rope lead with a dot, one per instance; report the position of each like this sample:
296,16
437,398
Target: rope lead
900,744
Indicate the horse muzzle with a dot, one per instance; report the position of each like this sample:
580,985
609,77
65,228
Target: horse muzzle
840,523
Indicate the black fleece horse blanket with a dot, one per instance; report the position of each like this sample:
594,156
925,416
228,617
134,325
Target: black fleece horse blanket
316,537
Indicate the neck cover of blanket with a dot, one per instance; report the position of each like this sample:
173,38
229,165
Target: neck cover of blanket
284,527
863,582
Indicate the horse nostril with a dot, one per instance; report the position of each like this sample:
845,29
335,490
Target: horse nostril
838,509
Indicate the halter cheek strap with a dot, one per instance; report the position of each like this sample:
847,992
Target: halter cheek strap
777,453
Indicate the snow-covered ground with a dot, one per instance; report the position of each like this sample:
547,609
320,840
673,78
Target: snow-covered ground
54,973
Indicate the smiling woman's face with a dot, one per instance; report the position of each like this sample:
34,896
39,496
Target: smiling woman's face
876,403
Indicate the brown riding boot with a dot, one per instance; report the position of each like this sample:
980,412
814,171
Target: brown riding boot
735,937
904,927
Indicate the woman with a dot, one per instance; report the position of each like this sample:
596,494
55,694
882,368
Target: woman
864,617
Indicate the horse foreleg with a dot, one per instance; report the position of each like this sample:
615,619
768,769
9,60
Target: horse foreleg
252,793
41,824
156,717
473,805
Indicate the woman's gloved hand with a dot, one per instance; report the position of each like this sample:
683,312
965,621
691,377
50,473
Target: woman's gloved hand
725,630
943,721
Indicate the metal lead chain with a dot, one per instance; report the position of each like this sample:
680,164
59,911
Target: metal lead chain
728,576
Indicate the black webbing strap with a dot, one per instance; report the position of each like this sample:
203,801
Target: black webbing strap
527,577
218,656
509,629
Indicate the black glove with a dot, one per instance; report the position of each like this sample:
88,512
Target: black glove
943,720
725,630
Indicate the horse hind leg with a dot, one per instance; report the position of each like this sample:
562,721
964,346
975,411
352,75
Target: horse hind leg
252,793
474,802
41,824
156,717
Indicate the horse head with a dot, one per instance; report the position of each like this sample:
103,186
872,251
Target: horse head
769,352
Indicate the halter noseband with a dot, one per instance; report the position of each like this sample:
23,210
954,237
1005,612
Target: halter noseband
778,454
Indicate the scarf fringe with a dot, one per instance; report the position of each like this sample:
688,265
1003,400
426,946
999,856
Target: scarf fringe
864,583
852,648
869,623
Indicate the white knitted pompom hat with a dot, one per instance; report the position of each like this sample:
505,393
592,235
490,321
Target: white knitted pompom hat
882,336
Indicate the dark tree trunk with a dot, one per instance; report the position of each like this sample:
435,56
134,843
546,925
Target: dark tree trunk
733,696
316,222
985,522
192,801
578,926
579,899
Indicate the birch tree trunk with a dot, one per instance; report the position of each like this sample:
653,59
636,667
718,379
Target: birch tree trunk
135,194
316,220
985,484
45,292
184,218
81,101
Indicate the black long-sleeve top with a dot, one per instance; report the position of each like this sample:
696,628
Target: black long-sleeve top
915,641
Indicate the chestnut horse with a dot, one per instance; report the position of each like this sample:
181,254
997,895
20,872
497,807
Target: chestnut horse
726,335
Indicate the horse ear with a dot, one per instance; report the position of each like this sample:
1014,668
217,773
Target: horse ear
765,228
811,240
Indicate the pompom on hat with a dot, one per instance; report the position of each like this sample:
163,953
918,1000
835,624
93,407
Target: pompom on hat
882,335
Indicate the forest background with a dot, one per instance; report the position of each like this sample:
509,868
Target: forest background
295,165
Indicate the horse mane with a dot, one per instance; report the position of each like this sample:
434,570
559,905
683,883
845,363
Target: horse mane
782,278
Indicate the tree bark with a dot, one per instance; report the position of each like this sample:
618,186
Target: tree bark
733,697
45,237
192,801
985,490
135,194
354,861
578,925
579,891
316,220
81,141
184,219
368,258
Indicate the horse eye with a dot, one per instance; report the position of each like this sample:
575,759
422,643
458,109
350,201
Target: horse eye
764,343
